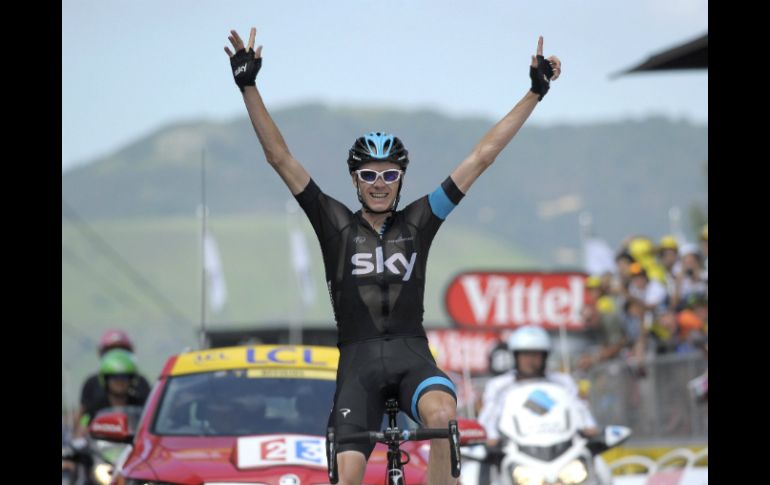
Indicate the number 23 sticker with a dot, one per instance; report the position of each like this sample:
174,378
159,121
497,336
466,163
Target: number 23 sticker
262,451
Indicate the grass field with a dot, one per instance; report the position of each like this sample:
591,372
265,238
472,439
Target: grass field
158,300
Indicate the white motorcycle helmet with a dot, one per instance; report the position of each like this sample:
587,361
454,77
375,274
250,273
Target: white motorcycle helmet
530,338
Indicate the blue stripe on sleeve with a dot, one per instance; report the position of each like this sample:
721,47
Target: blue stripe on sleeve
440,203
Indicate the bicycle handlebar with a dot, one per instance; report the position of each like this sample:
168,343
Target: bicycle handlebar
394,438
372,437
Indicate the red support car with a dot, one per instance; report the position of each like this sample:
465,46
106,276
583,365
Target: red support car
243,415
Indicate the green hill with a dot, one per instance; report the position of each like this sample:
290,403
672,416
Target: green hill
261,286
627,174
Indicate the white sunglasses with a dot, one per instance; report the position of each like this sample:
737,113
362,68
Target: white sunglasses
370,176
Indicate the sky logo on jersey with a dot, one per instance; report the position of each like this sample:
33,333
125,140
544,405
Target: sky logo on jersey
364,265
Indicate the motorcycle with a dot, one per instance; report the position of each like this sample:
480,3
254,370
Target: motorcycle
90,461
541,442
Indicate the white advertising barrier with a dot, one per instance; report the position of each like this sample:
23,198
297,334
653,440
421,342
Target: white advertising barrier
677,467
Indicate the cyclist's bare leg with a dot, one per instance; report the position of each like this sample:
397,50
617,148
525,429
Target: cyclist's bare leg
351,466
436,408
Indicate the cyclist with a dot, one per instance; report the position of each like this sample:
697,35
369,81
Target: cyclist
375,262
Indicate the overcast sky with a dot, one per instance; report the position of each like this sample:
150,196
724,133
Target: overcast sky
132,66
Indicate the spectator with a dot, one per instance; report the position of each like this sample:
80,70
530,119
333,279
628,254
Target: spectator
668,255
665,331
636,331
641,287
693,324
704,247
602,319
643,251
623,262
691,280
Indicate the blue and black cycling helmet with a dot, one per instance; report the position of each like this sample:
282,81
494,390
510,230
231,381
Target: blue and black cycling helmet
377,147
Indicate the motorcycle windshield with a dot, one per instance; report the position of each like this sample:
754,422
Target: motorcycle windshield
109,450
546,453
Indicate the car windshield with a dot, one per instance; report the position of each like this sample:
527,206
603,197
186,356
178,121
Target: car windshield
238,402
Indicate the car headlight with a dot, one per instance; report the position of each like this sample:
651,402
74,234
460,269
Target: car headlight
102,473
573,473
526,475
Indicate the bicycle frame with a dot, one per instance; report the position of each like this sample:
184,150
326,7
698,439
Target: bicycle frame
395,473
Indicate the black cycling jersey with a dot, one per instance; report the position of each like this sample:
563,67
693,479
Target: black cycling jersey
377,281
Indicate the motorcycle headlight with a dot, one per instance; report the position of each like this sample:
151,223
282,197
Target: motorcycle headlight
573,473
102,473
526,475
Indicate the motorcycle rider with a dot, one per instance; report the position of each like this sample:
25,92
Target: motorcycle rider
93,390
530,346
117,374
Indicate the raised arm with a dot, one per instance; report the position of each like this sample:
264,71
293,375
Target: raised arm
542,71
245,64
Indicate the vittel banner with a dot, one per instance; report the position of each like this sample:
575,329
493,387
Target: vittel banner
495,300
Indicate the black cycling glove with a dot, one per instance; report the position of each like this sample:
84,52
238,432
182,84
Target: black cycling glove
245,68
541,77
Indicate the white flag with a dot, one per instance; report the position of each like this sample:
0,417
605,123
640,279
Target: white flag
215,277
300,260
598,257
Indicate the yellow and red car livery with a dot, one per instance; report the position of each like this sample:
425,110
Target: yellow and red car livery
249,414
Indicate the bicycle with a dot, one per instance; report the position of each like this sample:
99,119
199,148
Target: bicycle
393,437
